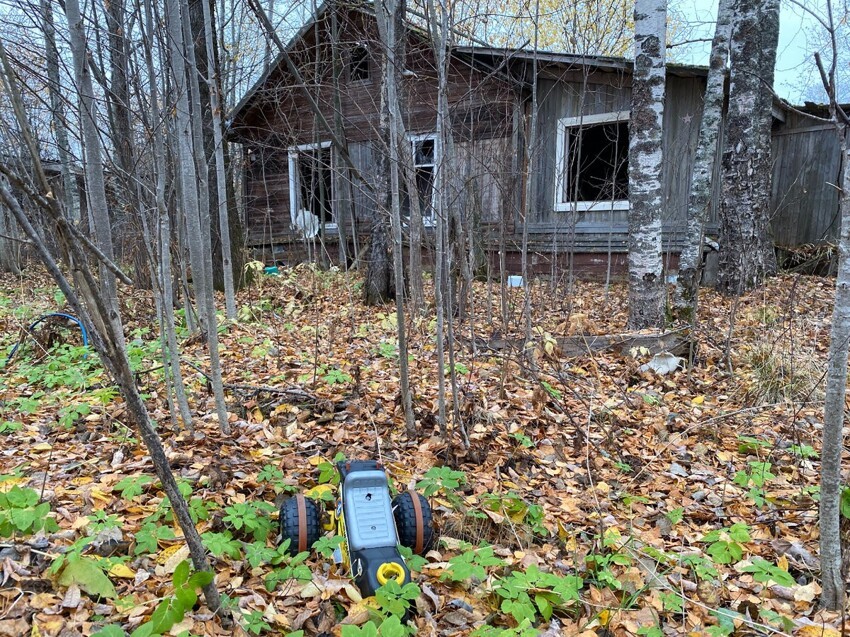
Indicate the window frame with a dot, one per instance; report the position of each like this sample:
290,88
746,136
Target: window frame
565,123
359,46
295,185
430,220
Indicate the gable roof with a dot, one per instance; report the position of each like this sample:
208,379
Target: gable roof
505,60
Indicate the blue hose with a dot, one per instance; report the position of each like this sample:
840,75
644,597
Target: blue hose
44,318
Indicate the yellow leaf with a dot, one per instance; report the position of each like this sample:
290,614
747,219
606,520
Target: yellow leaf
42,446
316,492
165,554
818,631
603,487
697,400
316,460
122,570
782,563
97,494
604,617
35,631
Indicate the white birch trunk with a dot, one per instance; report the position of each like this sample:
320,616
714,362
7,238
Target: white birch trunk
699,200
746,253
646,285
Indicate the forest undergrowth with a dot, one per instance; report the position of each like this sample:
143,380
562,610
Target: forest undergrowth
596,497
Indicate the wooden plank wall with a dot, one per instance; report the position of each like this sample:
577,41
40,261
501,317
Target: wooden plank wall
804,197
609,92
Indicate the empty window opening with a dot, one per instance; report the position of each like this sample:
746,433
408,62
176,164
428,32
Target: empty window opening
358,68
424,165
593,163
311,183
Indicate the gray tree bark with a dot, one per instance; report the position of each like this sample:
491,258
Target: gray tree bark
646,197
220,169
96,313
390,16
832,579
70,193
98,208
746,252
699,200
186,148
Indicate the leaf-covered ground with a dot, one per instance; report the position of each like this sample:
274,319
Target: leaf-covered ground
594,498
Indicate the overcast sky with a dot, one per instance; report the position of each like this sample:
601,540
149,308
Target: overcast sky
795,67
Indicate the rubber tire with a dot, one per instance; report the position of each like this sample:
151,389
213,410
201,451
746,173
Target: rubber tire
405,521
290,523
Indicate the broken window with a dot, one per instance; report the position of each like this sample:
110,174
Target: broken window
311,185
424,149
592,168
358,65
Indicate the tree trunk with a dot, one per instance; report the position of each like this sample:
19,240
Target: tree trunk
832,578
186,149
10,249
97,206
746,253
220,168
224,236
699,200
390,17
646,285
70,193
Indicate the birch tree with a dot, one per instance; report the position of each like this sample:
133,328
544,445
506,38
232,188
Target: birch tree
699,199
746,253
646,285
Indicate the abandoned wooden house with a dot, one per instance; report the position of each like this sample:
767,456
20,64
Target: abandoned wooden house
571,181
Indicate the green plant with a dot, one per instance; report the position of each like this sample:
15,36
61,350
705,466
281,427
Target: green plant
9,426
286,567
253,622
250,518
472,562
327,545
70,414
173,609
554,393
749,444
757,476
764,571
336,376
20,512
414,562
806,452
525,594
675,515
725,545
387,349
148,537
220,544
395,599
132,486
522,439
518,510
440,479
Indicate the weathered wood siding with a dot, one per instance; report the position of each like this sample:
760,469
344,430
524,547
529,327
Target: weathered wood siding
481,109
806,168
599,93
